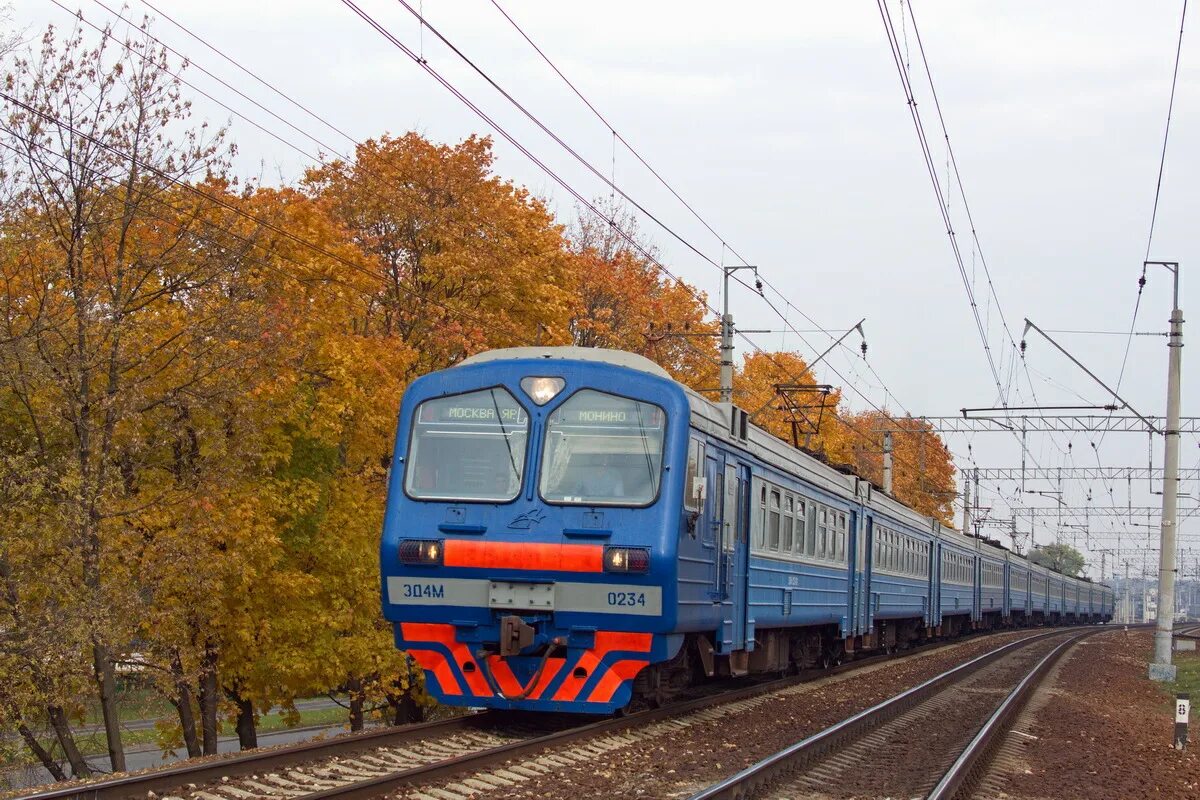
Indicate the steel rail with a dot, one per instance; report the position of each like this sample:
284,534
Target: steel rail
171,778
258,761
474,762
743,784
966,770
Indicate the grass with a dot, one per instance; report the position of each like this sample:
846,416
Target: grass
92,742
1187,677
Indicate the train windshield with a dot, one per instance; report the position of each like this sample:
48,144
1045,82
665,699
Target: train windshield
468,447
602,449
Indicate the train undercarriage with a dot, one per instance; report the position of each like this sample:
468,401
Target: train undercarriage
788,651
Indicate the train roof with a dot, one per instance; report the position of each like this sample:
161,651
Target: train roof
599,355
715,419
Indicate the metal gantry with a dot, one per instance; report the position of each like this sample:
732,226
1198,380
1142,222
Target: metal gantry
1081,473
1053,423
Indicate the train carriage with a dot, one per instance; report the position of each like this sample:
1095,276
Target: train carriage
570,529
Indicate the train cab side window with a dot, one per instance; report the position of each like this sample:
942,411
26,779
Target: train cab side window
785,543
695,469
773,521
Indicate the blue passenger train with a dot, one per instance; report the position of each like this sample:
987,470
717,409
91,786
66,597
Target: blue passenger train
569,529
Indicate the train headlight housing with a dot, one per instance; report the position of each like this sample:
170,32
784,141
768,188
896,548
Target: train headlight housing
421,552
634,560
542,390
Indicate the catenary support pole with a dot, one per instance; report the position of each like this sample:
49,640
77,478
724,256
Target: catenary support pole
887,462
1161,668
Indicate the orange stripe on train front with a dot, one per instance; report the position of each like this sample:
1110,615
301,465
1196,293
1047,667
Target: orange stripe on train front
617,674
571,685
519,555
443,634
436,663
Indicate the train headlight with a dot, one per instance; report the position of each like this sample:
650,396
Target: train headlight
542,390
423,552
627,559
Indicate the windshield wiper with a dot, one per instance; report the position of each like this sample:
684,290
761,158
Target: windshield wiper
503,432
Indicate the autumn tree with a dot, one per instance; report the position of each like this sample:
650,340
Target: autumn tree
466,260
129,318
812,416
625,302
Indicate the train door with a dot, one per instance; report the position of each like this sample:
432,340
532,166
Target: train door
977,589
714,503
936,575
856,568
866,601
734,554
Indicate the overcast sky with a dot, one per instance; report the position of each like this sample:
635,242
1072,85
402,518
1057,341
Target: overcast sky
785,126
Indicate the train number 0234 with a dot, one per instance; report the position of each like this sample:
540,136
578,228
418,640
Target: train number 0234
424,590
627,598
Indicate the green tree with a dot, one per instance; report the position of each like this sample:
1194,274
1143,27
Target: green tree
1060,557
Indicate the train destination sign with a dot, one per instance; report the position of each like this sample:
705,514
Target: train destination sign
488,407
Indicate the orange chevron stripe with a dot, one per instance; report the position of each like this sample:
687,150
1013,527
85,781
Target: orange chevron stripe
436,663
617,674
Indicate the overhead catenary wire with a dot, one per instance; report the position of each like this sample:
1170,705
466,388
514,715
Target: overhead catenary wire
1162,163
675,193
852,387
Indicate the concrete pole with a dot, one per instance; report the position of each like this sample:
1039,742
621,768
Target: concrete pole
1162,669
978,500
726,345
966,506
887,462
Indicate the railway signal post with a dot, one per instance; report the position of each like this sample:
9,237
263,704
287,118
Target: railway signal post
1183,706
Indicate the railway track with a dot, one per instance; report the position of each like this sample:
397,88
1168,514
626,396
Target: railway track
459,757
475,745
932,741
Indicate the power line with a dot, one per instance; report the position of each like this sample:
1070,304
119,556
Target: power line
1162,162
939,195
244,69
662,180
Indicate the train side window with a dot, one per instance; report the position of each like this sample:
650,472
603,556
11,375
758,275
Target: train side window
801,520
760,516
773,526
785,544
843,539
694,475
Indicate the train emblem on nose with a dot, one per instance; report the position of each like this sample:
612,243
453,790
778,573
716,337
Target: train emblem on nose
523,522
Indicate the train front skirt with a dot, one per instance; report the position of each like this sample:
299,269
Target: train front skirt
595,679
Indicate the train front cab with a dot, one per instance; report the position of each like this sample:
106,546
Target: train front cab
529,543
